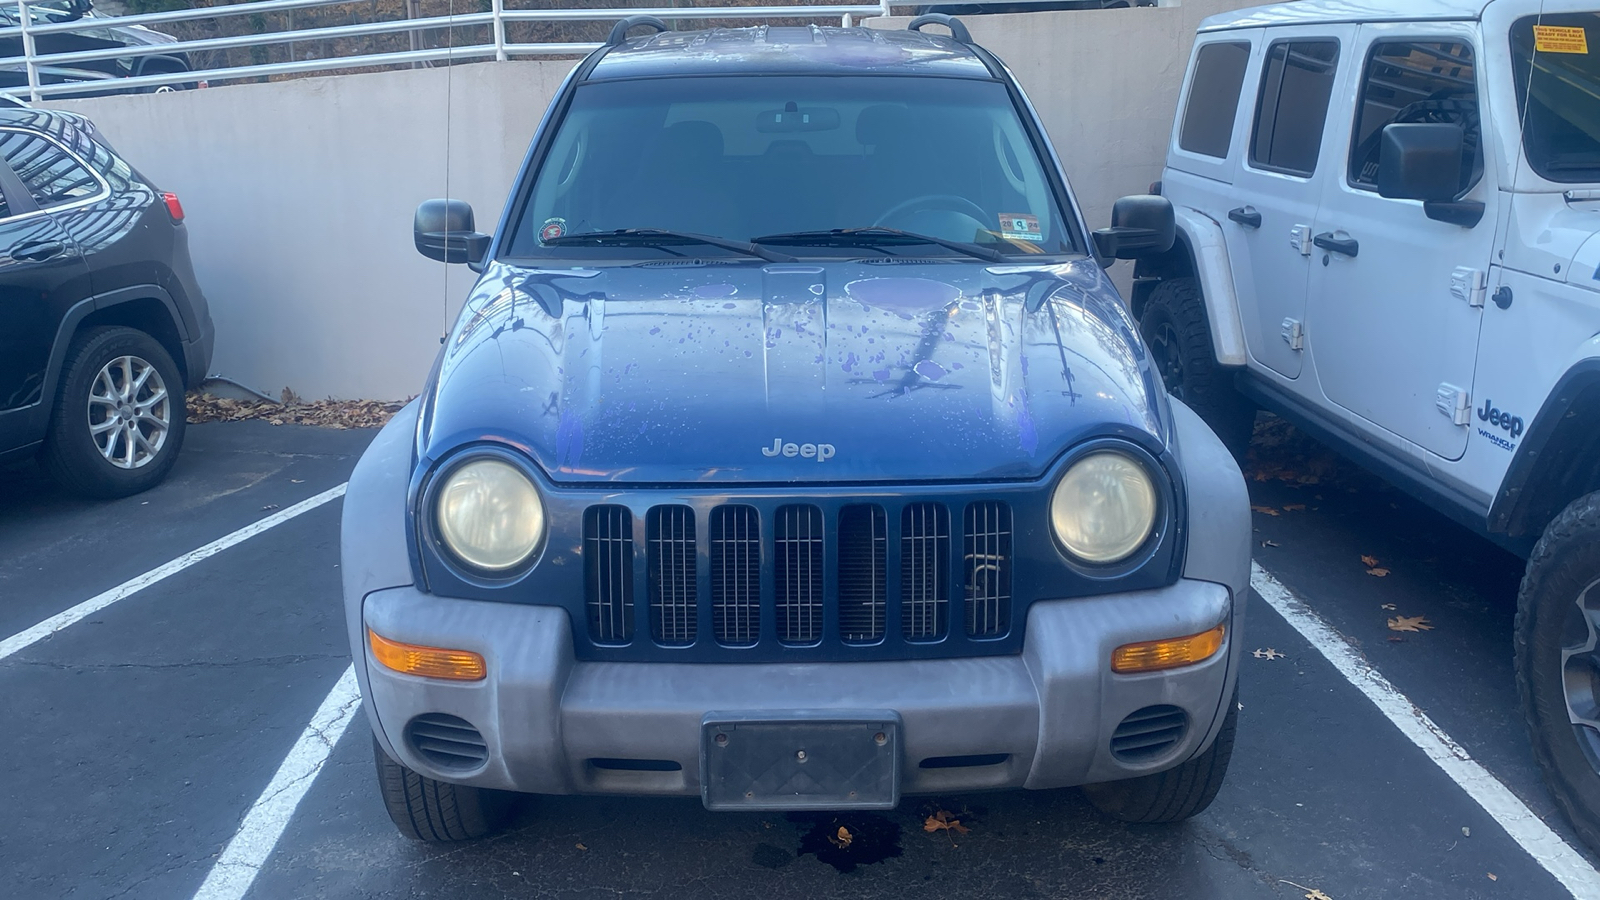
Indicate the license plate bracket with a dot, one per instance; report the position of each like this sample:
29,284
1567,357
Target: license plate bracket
800,760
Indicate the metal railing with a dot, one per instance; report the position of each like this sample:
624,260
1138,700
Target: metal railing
70,65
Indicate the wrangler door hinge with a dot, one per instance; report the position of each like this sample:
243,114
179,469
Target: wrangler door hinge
1455,403
1300,239
1468,284
1294,334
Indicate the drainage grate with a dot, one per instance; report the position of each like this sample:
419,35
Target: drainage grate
447,742
608,573
736,575
925,570
673,591
863,559
1149,733
797,542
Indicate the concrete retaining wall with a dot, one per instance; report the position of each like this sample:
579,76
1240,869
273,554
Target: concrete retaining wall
300,193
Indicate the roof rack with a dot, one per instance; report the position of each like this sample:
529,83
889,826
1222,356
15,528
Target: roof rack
957,30
619,31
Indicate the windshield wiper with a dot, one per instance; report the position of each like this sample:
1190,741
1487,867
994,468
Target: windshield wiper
646,237
878,236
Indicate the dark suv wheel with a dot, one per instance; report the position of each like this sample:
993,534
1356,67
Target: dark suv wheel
119,414
1558,660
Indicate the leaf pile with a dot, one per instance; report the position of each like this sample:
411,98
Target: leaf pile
1280,452
320,413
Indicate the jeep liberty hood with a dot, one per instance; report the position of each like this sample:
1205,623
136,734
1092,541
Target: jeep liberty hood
800,372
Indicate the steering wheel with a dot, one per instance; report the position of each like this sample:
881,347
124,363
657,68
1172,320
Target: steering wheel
933,201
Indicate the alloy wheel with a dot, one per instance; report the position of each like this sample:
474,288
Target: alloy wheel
130,412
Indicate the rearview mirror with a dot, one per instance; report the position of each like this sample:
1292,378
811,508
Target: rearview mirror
1421,161
795,119
1141,225
443,230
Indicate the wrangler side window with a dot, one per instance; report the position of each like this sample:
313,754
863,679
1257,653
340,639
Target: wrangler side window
1214,98
1296,81
1415,82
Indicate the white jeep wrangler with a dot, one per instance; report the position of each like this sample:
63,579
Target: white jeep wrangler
1389,233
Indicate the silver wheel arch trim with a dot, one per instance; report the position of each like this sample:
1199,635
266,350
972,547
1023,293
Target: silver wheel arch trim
1208,250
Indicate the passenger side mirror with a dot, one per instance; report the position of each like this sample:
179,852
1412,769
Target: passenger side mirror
1141,225
443,230
1421,161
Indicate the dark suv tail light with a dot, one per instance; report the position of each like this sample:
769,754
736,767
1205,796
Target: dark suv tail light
174,207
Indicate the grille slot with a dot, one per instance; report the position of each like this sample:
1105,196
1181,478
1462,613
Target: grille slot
673,589
986,568
608,573
797,542
863,559
925,570
447,742
1149,733
736,575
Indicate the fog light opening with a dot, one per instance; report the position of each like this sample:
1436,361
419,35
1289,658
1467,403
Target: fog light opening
1168,653
427,662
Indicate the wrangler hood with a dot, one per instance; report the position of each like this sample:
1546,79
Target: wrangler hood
743,373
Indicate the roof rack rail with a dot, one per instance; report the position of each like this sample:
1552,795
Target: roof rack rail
619,31
957,30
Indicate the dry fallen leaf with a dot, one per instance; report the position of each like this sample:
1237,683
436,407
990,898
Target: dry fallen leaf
1293,507
1268,653
1269,543
294,411
943,821
1378,572
1491,876
1388,606
582,847
842,839
1409,623
1265,510
1369,561
1317,895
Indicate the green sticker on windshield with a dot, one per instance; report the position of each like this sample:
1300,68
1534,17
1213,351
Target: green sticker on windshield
1020,227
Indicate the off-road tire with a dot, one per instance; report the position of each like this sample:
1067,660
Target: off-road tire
1176,794
1565,562
69,453
1175,328
436,811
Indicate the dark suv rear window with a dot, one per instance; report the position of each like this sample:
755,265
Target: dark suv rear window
1296,81
1214,98
740,157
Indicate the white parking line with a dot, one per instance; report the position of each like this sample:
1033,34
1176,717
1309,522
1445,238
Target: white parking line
1544,845
242,859
55,623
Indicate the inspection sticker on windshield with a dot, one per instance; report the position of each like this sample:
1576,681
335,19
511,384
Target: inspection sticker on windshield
553,227
1559,39
1023,228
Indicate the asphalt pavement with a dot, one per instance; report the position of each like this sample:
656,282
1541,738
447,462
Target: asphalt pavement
141,735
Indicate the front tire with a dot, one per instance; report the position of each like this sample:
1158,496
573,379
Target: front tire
119,415
437,811
1176,794
1558,661
1175,328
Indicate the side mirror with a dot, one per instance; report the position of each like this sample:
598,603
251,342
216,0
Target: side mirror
443,230
1418,161
1141,225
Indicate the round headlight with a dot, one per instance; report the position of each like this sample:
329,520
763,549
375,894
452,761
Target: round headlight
489,514
1104,507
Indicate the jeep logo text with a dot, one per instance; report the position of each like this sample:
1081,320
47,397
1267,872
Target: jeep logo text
1505,420
819,452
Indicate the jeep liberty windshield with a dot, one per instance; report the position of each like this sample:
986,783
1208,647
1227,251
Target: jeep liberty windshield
1558,87
915,166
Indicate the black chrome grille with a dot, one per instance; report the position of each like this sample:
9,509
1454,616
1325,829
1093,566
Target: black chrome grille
1148,733
736,575
447,742
797,551
863,563
986,568
608,573
673,589
925,570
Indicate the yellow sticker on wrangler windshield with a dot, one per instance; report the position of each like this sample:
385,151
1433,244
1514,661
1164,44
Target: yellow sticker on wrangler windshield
1559,39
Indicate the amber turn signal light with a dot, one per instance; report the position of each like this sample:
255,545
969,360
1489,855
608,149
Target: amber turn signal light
1152,656
429,662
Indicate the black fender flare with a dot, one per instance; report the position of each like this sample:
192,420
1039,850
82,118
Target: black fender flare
1572,406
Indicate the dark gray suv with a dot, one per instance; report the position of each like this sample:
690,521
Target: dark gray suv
103,324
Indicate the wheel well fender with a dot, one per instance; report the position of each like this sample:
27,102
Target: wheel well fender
1200,252
1558,461
148,308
